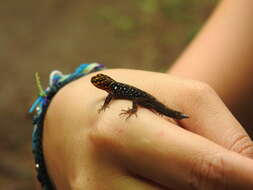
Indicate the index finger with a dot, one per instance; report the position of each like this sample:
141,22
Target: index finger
210,118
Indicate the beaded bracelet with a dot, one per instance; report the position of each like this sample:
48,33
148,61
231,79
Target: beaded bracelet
57,80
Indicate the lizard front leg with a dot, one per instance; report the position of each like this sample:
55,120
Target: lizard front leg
106,102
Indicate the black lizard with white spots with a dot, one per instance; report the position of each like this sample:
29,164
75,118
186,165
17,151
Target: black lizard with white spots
117,90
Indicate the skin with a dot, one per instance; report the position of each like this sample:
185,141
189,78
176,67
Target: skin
210,150
221,54
103,151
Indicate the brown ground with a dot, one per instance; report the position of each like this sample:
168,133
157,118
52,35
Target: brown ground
52,34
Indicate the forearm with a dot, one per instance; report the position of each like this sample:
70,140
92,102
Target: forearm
221,55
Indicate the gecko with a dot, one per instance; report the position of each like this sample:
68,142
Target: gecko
118,90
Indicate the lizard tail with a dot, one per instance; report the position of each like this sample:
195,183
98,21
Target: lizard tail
162,109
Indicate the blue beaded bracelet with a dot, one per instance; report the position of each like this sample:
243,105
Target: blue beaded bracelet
57,80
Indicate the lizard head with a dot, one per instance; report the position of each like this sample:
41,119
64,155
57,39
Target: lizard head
102,81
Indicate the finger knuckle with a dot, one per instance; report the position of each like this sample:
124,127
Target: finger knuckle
199,89
209,173
106,130
199,92
243,145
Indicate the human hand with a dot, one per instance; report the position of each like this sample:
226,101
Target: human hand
103,151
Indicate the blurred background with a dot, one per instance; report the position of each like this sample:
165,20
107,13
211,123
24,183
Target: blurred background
52,34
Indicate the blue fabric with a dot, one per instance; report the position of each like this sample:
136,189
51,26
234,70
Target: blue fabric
56,81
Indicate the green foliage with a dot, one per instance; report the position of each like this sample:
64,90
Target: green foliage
193,32
124,23
118,20
182,10
176,10
148,6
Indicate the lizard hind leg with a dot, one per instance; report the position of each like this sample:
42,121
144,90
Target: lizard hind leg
130,111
